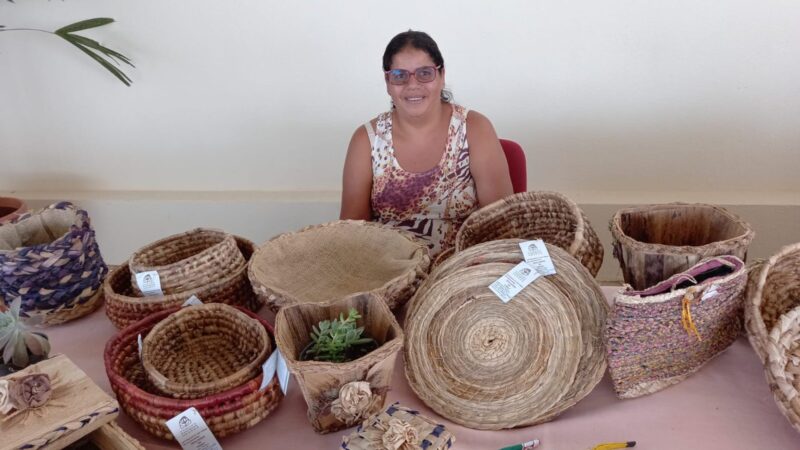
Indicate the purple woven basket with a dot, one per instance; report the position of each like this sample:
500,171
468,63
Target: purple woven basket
50,259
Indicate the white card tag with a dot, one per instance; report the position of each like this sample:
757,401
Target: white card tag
269,367
283,373
149,283
191,301
536,254
191,431
139,341
515,280
709,292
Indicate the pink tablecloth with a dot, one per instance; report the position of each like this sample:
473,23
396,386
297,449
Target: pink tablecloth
727,405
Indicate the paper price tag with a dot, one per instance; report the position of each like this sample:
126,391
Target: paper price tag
283,373
709,292
536,254
149,283
139,341
515,280
193,300
191,431
269,367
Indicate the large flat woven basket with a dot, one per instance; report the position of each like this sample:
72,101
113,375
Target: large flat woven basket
226,413
334,260
654,242
660,336
486,364
50,259
549,216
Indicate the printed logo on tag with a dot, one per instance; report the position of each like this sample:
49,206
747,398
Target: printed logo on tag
536,254
283,373
514,281
149,283
191,301
268,368
191,431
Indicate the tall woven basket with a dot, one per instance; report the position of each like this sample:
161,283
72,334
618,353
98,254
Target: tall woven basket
51,260
491,365
334,260
660,336
549,216
340,395
654,242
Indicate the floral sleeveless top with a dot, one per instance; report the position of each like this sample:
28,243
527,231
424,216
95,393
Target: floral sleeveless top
432,204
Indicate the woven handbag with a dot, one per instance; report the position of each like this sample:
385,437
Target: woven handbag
660,336
50,259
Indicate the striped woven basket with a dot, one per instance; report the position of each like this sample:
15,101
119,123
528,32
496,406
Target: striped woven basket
123,307
660,336
51,260
226,413
549,216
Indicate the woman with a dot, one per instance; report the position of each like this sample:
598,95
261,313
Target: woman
428,163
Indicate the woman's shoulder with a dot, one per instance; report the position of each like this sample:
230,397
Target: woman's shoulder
477,123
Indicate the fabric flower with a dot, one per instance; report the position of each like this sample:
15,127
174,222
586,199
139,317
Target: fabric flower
30,391
399,435
355,399
6,406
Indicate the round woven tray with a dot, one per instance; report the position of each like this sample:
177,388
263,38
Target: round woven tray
549,216
204,349
334,260
123,307
187,260
489,365
783,365
226,413
654,242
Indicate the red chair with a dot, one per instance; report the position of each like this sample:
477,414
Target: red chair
516,165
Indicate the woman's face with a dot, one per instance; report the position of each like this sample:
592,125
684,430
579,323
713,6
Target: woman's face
415,98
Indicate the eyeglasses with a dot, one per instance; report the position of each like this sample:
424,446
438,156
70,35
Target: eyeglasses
424,74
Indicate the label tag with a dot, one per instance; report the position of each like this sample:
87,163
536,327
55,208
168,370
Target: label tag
191,431
515,280
283,373
536,254
149,283
709,292
139,341
269,367
191,301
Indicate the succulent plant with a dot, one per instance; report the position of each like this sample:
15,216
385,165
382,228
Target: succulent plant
334,340
17,342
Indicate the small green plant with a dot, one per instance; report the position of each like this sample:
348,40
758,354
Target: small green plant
17,342
335,340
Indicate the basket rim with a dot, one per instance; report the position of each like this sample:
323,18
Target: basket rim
80,219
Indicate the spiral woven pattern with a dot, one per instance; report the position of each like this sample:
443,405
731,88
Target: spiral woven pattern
783,365
489,365
51,260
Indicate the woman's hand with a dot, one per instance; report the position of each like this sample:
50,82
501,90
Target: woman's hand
357,178
487,162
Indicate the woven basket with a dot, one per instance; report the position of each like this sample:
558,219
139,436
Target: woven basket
204,349
549,216
654,242
187,260
773,289
660,336
783,365
401,428
123,307
489,365
323,382
226,413
11,208
338,259
51,260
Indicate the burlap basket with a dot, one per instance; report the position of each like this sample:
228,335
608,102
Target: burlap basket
204,349
783,365
654,242
773,289
660,336
399,428
338,259
51,260
123,307
226,413
549,216
340,395
491,365
187,260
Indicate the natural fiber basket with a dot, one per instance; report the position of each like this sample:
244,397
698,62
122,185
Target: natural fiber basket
51,260
660,336
338,259
225,413
399,428
654,242
187,260
773,290
339,395
123,307
549,216
783,365
204,349
486,364
11,208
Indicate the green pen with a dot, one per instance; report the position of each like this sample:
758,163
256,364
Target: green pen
524,446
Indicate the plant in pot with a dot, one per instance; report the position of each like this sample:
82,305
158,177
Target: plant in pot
344,370
19,346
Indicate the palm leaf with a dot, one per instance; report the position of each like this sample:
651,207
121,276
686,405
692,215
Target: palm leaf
91,43
115,71
84,25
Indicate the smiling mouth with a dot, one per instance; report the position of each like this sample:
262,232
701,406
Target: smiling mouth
415,99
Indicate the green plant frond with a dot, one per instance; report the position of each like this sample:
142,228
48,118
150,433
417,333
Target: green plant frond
115,71
20,358
91,43
8,350
15,307
84,25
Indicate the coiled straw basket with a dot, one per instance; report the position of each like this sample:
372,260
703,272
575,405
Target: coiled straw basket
51,260
783,365
549,216
486,364
226,413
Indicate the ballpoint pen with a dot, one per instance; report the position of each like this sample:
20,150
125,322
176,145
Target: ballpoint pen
524,446
614,445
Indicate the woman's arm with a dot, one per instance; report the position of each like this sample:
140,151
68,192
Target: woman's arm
357,178
487,162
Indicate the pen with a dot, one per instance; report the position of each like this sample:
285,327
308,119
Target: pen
614,445
524,446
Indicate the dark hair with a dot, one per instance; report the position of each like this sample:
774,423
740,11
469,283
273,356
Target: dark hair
421,41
